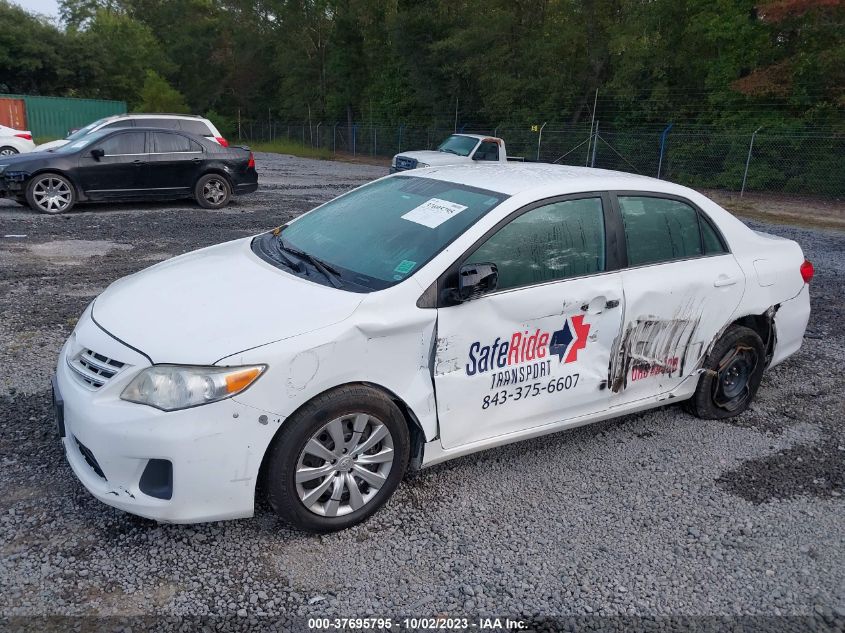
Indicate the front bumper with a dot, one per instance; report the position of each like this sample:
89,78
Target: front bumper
214,450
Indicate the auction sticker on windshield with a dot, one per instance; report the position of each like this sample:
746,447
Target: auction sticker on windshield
434,212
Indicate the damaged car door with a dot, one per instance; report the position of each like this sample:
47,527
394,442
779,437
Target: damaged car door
532,344
681,286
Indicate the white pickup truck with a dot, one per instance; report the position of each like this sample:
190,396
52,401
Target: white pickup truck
458,148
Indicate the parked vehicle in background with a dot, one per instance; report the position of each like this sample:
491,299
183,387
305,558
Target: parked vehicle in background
14,141
416,319
129,164
458,148
182,122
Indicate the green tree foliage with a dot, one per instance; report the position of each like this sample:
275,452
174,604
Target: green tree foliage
159,96
731,62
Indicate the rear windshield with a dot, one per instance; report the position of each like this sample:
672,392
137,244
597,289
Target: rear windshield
385,231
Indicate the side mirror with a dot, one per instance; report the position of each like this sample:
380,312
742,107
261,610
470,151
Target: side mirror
98,153
475,280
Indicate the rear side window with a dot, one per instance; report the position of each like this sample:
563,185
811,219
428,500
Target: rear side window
555,241
659,229
167,124
712,242
195,126
164,143
126,143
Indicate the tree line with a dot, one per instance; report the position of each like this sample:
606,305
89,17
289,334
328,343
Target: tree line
426,62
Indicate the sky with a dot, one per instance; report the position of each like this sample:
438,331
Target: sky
47,7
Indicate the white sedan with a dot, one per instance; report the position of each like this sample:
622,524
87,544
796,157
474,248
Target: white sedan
418,318
14,141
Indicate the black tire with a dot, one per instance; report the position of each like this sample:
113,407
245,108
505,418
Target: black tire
8,150
288,449
50,182
213,191
731,377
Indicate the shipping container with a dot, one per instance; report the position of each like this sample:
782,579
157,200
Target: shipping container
55,117
13,113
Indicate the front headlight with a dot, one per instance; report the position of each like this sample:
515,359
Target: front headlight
172,387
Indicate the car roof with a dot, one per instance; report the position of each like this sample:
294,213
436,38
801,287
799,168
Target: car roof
514,178
155,115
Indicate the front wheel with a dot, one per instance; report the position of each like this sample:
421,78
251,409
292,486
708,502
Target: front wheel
337,460
50,193
213,191
732,375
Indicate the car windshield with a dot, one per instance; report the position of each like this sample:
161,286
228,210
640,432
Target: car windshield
457,144
85,130
81,143
382,233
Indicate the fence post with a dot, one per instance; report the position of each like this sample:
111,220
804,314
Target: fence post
663,147
334,139
539,140
595,145
748,160
354,138
318,134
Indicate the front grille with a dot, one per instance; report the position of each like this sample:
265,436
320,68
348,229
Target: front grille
93,369
403,162
89,458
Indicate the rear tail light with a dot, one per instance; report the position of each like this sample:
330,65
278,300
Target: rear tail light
222,141
25,135
250,164
807,271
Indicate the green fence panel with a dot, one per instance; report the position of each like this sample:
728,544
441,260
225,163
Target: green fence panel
54,117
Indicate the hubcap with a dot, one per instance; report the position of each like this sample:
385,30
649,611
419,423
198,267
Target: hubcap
731,387
51,194
214,191
344,464
7,152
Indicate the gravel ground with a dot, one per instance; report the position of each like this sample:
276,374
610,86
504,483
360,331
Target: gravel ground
654,515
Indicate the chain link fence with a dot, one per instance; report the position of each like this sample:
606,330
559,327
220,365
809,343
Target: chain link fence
762,161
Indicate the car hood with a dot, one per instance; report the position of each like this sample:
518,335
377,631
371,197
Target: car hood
203,306
431,157
51,145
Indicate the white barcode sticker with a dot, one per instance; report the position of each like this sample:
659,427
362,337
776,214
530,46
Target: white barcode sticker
432,213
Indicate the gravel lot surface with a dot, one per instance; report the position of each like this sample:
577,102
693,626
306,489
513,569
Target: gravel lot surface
651,515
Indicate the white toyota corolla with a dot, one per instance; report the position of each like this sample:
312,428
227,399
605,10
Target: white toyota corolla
418,318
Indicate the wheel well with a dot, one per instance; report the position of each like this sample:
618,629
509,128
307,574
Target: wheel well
58,172
414,431
763,325
215,170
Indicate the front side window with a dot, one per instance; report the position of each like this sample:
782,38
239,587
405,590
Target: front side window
167,124
659,230
164,143
121,144
378,235
555,241
487,151
457,144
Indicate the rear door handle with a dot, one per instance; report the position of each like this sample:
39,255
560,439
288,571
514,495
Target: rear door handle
137,162
723,280
196,160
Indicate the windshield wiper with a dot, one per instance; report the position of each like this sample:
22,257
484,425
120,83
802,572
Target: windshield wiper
294,266
327,270
451,151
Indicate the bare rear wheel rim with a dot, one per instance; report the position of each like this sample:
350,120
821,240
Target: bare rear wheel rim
344,464
732,386
8,151
214,191
52,194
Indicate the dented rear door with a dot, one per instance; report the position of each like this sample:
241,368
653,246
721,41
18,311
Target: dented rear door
674,309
